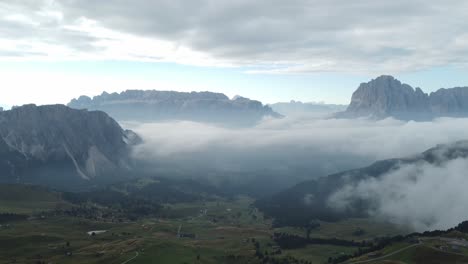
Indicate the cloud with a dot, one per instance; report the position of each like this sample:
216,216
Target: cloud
268,36
282,152
423,196
288,150
37,30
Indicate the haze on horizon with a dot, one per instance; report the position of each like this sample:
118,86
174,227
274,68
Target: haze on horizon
52,51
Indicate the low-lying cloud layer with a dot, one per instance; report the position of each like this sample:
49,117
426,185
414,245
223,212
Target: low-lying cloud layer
290,149
423,196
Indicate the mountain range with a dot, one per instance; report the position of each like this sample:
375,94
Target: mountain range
293,108
152,105
78,144
386,96
59,146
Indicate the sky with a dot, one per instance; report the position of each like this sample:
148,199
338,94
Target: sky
271,50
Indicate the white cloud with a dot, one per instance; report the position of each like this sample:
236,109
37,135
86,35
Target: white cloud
423,196
270,36
290,149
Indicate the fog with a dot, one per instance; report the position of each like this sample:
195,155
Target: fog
422,196
284,151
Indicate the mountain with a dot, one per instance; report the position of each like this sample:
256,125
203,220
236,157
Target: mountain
59,146
386,96
152,105
310,200
450,102
299,108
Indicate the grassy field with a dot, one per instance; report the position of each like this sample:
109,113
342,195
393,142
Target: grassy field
346,229
223,230
444,249
424,255
217,231
220,228
25,199
319,253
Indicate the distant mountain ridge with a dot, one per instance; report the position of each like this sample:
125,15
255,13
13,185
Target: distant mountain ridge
299,108
57,145
386,96
153,105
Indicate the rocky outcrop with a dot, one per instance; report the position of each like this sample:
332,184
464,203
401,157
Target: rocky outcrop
450,102
57,144
385,96
294,108
149,106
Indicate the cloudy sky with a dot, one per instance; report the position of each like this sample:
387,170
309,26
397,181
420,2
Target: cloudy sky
271,50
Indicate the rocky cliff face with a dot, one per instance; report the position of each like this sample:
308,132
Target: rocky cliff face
385,96
295,108
450,102
55,144
137,105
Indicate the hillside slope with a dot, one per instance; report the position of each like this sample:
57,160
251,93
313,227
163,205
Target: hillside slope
312,200
59,146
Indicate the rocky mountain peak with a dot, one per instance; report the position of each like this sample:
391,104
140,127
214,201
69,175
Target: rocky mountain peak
80,142
386,96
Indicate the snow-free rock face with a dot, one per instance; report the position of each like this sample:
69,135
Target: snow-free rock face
149,106
385,96
450,102
56,144
297,108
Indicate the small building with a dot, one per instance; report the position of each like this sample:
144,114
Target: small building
96,232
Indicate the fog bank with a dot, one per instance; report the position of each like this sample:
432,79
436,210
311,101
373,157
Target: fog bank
287,150
423,196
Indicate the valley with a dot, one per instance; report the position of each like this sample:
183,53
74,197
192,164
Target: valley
53,228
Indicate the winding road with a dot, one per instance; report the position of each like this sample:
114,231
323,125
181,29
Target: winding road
132,258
